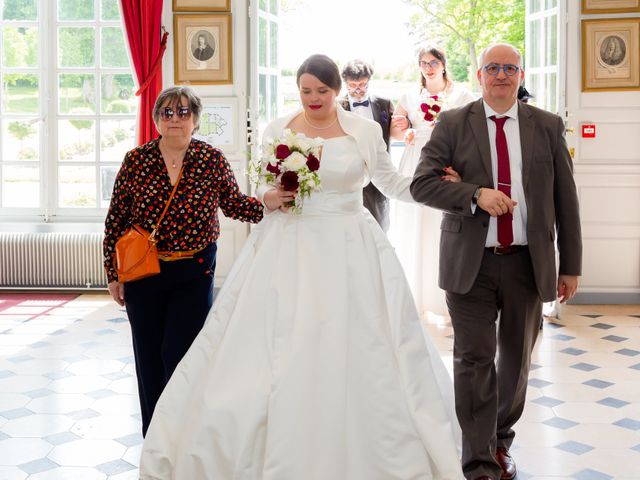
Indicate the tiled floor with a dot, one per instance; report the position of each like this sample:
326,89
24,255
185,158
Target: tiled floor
68,405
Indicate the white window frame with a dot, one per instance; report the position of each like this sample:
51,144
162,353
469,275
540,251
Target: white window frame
49,117
545,71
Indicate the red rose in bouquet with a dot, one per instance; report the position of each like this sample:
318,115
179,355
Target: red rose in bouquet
431,107
312,162
275,169
282,151
289,181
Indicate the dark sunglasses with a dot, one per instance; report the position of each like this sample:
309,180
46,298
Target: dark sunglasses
184,113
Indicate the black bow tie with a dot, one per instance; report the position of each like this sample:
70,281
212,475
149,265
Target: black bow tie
361,104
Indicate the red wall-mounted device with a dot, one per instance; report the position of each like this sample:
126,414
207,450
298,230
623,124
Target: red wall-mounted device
588,130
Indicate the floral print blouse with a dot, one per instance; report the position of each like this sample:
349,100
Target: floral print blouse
142,188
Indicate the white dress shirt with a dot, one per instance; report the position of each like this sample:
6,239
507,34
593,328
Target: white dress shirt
365,112
512,132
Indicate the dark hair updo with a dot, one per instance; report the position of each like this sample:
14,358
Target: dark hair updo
323,68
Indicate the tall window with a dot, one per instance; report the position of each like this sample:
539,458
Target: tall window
543,44
68,107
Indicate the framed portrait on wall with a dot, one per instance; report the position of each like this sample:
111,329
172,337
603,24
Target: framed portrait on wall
201,5
202,49
611,54
219,123
610,6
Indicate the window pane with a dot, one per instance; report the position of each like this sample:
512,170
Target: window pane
107,179
274,7
77,187
535,6
552,93
20,186
20,47
534,86
76,140
274,97
114,52
20,93
76,93
109,10
76,47
20,140
534,44
118,93
76,10
262,97
263,5
262,42
20,10
552,4
273,47
552,40
117,137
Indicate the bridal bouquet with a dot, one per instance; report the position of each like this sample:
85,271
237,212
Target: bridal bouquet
291,162
431,107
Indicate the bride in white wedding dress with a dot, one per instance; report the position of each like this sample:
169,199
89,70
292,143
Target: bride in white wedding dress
312,364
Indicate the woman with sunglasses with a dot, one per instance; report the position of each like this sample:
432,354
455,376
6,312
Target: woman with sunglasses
166,311
415,230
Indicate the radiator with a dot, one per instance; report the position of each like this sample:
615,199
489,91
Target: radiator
51,260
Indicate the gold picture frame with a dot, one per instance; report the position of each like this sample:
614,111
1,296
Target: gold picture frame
202,49
201,5
611,54
610,6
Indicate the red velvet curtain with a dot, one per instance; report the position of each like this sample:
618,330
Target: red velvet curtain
142,20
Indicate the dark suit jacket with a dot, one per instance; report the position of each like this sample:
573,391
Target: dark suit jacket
374,200
461,139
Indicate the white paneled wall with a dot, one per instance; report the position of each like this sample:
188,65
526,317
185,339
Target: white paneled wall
610,212
608,176
604,149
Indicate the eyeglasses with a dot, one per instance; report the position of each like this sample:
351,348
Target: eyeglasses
184,113
433,63
358,85
509,69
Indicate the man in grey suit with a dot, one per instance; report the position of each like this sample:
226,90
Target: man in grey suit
497,258
356,75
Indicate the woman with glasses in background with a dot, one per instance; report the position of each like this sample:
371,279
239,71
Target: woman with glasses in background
166,311
415,230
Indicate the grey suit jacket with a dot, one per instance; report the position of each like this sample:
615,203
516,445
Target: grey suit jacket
461,139
374,200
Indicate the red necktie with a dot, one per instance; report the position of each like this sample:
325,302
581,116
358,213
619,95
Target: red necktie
505,222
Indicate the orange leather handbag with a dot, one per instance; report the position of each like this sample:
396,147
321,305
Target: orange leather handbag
136,255
136,252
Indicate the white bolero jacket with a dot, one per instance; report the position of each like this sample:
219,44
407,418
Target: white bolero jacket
368,137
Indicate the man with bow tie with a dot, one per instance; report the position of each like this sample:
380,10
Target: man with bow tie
356,75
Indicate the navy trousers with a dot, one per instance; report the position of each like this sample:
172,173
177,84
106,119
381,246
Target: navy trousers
166,312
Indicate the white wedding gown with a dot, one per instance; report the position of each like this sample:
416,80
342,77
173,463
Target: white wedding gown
312,364
415,230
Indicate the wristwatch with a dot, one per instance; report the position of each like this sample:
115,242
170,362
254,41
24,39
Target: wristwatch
476,195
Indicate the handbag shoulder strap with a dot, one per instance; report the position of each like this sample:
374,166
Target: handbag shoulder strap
166,206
